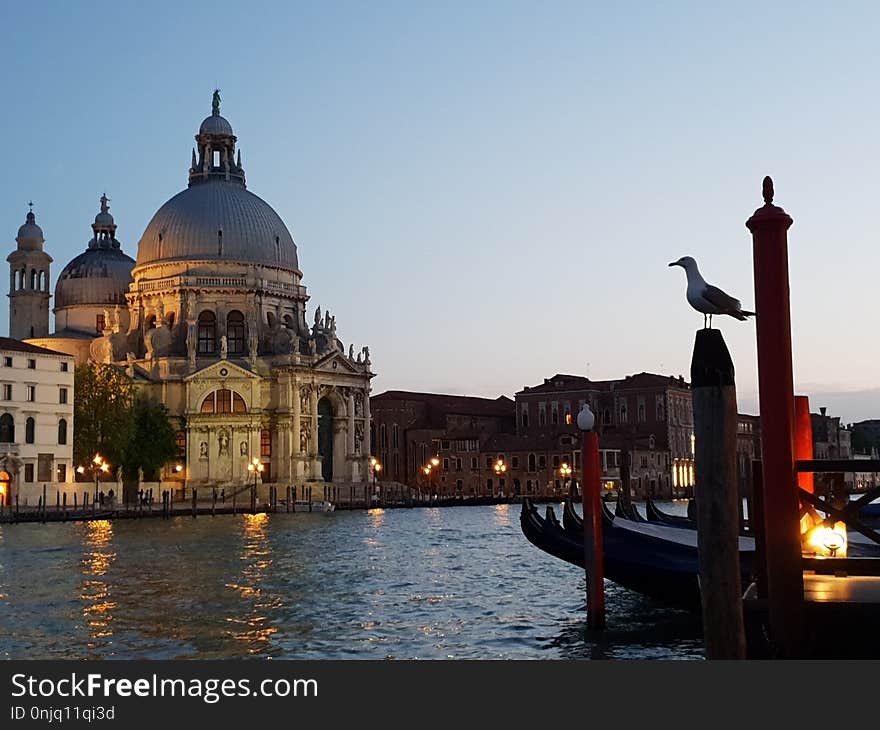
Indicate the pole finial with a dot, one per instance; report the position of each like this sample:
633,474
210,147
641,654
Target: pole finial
767,190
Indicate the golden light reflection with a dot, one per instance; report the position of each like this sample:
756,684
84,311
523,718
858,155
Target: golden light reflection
501,514
95,591
377,517
251,625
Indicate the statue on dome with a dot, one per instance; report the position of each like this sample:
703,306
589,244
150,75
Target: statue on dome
317,320
224,347
215,102
351,352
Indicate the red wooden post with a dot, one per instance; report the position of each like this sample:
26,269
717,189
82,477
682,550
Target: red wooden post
785,585
803,439
594,561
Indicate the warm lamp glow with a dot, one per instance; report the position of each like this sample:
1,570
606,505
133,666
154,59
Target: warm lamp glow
178,468
435,461
80,470
828,541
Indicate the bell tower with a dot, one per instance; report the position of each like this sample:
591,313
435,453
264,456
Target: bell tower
29,283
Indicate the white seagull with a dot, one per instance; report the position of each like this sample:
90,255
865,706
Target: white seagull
706,298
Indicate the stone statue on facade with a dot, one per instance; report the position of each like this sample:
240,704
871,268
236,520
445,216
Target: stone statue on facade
304,439
358,437
129,364
108,321
359,404
215,102
317,325
359,357
351,352
333,325
203,450
191,342
327,320
313,346
304,394
224,347
243,448
223,442
253,343
366,355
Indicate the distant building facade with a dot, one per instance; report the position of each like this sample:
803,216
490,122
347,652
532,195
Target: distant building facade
36,422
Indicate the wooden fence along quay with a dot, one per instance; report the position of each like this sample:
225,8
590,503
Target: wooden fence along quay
244,499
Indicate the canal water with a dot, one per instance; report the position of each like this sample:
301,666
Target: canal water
452,582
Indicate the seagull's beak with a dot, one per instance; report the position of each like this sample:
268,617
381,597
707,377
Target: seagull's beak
674,263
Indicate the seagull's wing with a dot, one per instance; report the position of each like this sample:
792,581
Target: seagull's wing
720,299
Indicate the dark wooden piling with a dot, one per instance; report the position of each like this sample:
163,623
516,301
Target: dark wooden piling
254,498
213,501
351,497
715,425
195,498
288,498
310,498
234,492
64,500
785,583
57,501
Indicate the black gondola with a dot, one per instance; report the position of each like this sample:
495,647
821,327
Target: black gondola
664,569
655,514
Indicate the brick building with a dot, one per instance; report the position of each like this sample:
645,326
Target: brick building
646,415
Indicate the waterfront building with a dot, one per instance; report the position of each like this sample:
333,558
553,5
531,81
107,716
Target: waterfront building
36,422
211,319
411,429
831,440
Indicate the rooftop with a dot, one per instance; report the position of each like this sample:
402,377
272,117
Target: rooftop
8,344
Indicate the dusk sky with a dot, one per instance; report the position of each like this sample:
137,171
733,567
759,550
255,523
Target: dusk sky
485,193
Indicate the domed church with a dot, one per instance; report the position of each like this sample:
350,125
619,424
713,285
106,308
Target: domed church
212,319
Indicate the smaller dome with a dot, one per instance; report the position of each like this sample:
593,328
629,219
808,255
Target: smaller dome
30,231
97,276
215,124
104,220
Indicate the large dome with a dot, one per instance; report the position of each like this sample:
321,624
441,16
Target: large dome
217,220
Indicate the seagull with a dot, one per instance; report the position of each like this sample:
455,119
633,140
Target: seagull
706,298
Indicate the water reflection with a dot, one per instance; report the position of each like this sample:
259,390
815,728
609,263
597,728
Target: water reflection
501,515
250,624
95,592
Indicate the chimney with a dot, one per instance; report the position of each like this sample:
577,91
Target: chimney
822,410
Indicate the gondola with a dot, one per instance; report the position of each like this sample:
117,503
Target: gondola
657,561
655,514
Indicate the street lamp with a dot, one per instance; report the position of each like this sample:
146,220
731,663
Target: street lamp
256,467
97,467
565,473
500,469
375,468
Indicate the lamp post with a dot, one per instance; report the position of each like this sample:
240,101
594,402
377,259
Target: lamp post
97,466
255,467
500,469
565,473
428,470
375,468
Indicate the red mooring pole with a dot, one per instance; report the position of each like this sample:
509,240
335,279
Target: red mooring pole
594,560
803,439
785,585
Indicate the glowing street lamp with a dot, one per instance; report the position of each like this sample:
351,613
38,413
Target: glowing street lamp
97,466
565,473
500,469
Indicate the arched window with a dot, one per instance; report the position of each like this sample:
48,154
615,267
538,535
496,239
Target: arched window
34,279
207,333
288,321
531,462
29,431
235,336
22,278
62,432
223,401
7,429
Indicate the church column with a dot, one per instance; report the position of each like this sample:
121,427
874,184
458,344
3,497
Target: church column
313,446
294,445
350,439
368,446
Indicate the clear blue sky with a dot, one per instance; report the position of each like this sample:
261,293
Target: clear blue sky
488,193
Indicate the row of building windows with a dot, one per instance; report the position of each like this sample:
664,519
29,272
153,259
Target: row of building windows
622,414
7,430
31,393
31,363
45,473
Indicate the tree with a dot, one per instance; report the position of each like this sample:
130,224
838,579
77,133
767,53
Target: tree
153,441
102,413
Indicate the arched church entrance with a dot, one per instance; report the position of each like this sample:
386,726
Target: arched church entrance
325,438
5,481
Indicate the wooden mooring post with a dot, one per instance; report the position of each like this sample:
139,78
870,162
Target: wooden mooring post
64,500
195,498
310,498
718,516
594,559
785,584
